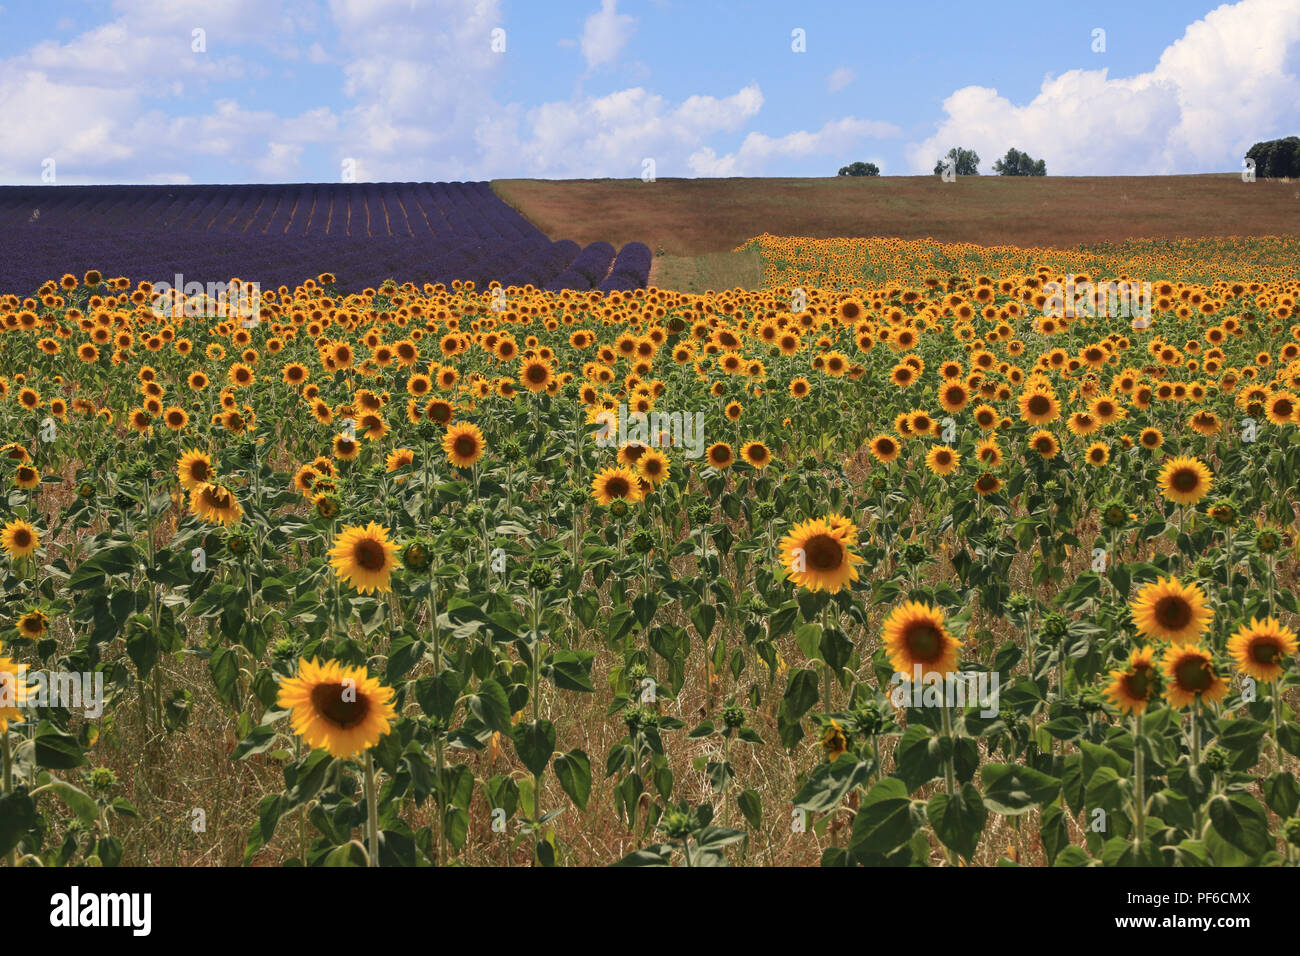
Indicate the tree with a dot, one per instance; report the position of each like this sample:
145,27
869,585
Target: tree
964,161
860,169
1016,163
1276,158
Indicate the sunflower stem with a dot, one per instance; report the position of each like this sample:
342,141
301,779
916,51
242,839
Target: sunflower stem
1139,784
372,814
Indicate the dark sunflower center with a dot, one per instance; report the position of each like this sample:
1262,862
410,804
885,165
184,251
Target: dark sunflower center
1185,479
1173,612
330,702
924,641
1283,408
465,446
1039,405
1264,651
1138,684
370,554
617,487
633,453
824,552
1193,675
22,537
758,454
653,466
1044,444
721,455
942,458
536,373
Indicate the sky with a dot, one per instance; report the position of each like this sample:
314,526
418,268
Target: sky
227,91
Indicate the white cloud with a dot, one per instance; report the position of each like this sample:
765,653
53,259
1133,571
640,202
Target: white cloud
840,77
605,34
1219,88
758,150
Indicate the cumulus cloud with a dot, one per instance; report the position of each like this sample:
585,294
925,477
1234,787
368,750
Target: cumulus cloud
1221,87
758,150
840,77
605,34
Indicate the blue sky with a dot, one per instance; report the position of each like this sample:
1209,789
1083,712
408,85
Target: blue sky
292,90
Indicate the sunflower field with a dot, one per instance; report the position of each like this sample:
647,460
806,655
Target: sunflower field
419,576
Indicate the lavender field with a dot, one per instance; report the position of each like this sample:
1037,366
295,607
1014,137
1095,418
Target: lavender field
280,234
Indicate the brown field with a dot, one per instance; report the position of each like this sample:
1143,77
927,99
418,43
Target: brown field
681,219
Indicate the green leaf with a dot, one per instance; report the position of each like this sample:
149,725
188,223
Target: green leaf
1282,794
224,667
17,817
573,770
438,694
751,806
884,821
56,750
1012,790
829,783
1242,823
491,706
958,820
535,743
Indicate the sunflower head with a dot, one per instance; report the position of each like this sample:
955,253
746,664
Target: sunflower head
337,708
1169,611
915,636
817,555
365,558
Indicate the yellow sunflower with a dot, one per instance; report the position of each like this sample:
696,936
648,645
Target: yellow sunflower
1260,647
463,444
215,504
194,468
1132,688
1184,480
915,635
19,539
14,691
337,708
1190,672
816,556
1169,611
364,557
616,482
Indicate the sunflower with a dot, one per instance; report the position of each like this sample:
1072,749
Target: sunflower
619,482
19,539
653,466
535,374
14,691
463,444
1185,480
33,624
1151,438
885,448
346,448
915,636
1039,407
1190,670
799,387
1045,443
1167,610
1098,454
1260,646
337,708
215,504
942,460
756,454
816,556
988,484
25,476
364,557
834,742
719,455
1132,688
194,468
399,458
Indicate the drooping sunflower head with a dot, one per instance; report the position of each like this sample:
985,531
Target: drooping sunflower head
33,624
215,504
365,558
817,556
1132,688
1189,672
1184,481
1169,611
1261,648
337,708
915,635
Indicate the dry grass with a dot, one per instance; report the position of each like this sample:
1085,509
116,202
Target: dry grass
694,217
